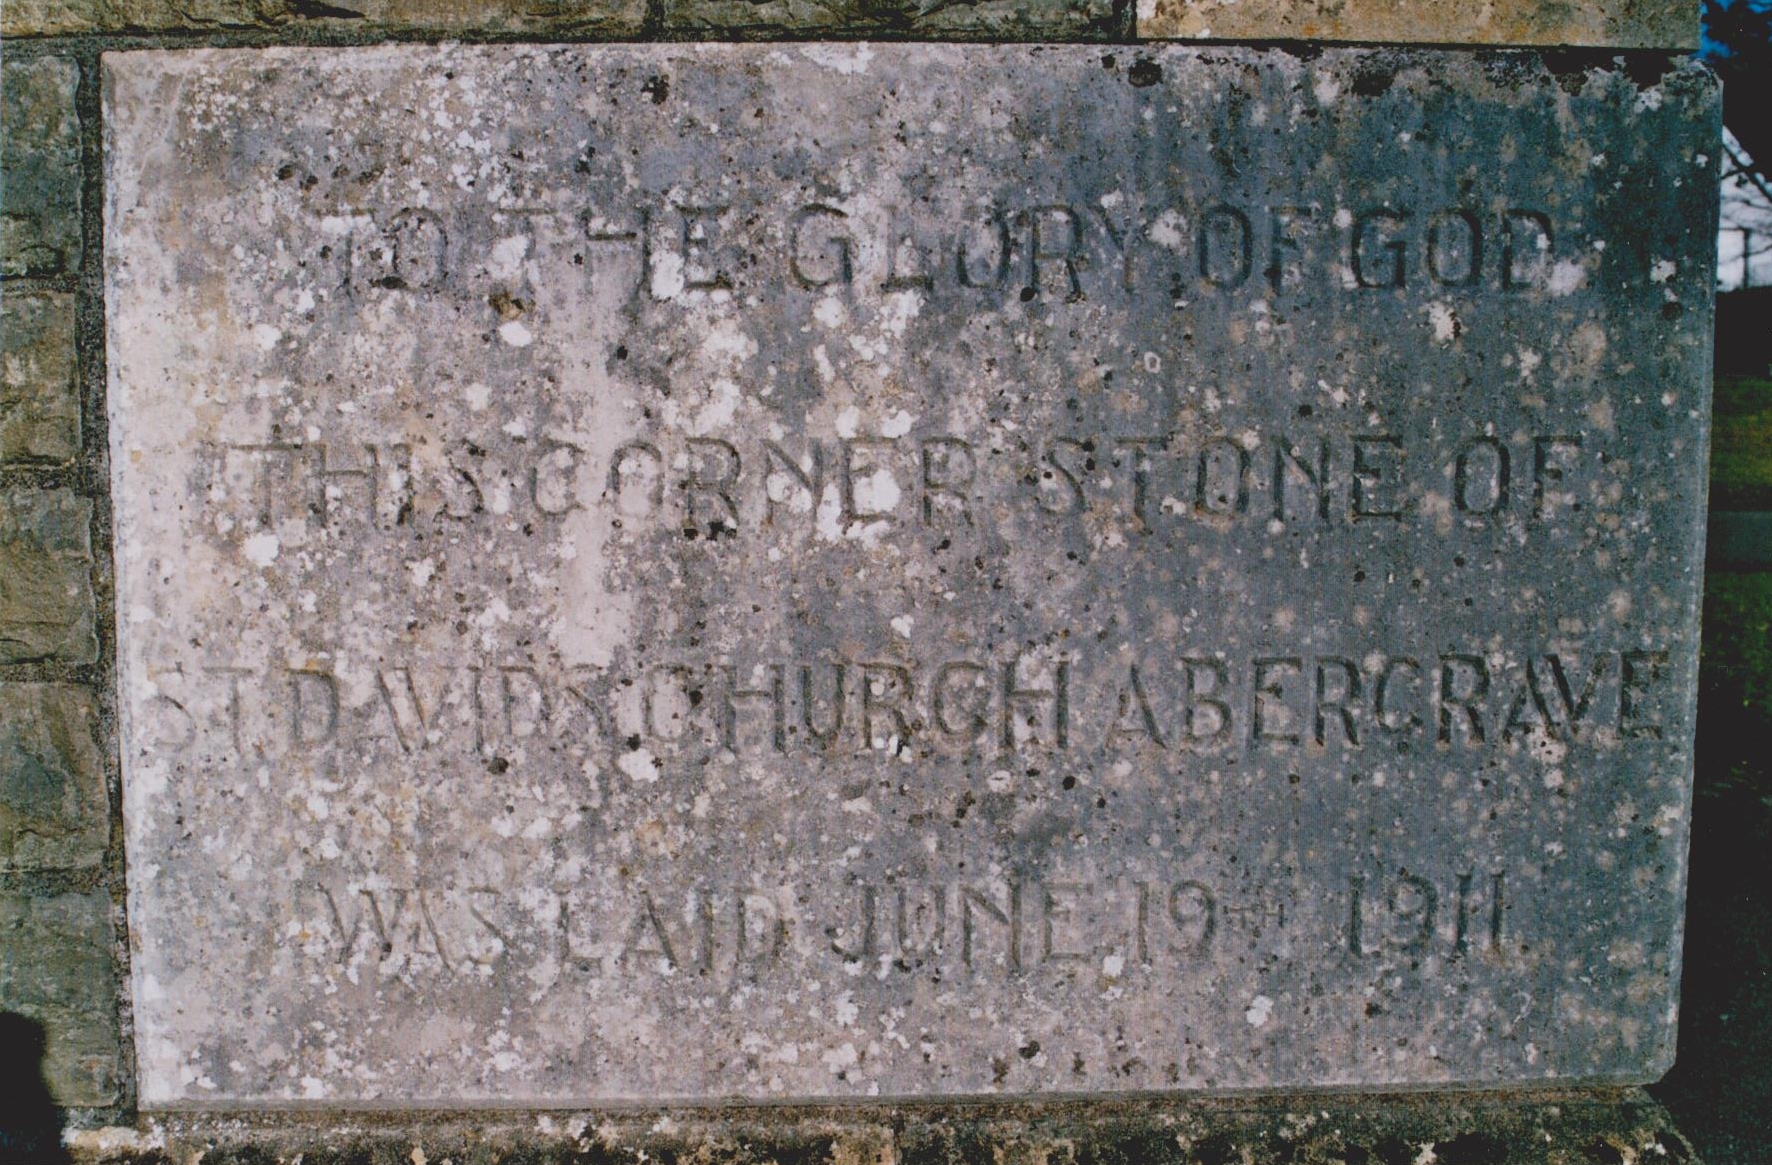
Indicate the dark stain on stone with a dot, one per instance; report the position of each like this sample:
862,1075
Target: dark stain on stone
1144,73
508,306
1373,80
1471,1149
657,87
320,10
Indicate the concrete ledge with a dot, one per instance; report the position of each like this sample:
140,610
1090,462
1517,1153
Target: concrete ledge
1561,1128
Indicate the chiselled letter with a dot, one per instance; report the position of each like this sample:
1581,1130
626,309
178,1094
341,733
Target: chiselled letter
1068,497
709,508
1194,912
1384,702
1015,697
313,708
1226,246
948,470
827,261
1413,903
1223,484
886,688
1550,464
1390,271
789,484
907,260
1455,248
762,932
703,266
1480,477
1271,719
1377,465
1283,244
775,693
869,493
1638,672
1204,702
1134,717
962,689
1338,696
1138,452
1290,464
869,946
1009,919
553,484
1058,912
599,229
821,737
986,265
1055,232
406,711
636,463
1464,684
1526,242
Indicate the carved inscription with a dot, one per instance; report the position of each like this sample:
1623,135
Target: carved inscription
712,488
700,244
1205,703
655,573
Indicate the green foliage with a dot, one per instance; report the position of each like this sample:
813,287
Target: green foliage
1741,444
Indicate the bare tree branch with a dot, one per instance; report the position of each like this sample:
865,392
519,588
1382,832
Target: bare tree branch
1746,169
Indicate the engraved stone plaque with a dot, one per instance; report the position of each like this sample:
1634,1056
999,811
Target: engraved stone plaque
841,571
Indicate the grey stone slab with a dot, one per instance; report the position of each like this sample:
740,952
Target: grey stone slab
57,969
47,608
40,167
54,808
823,571
39,386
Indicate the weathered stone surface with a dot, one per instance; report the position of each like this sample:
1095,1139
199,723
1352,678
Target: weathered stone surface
531,17
1632,24
54,810
56,968
808,570
997,19
40,159
46,602
1545,1128
39,392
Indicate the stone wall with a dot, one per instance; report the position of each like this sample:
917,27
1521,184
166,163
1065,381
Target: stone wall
63,949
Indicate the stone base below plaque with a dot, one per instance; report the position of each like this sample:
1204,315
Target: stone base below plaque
1611,1127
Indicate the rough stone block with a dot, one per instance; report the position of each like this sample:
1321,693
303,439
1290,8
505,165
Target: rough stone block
46,600
531,17
40,158
1633,24
1565,1127
39,388
993,19
54,808
57,968
821,570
